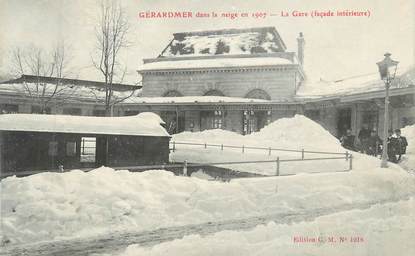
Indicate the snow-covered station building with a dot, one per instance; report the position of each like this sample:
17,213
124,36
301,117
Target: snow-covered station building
243,79
234,79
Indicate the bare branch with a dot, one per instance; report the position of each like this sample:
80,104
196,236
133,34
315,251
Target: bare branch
35,61
111,37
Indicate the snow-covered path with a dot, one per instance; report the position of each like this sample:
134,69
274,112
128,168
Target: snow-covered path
117,242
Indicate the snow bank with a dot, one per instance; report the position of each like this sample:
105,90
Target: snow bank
408,160
297,133
384,229
50,206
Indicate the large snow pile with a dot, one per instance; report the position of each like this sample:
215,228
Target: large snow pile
296,133
408,160
51,206
380,230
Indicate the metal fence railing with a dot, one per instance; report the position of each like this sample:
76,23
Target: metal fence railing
243,148
185,165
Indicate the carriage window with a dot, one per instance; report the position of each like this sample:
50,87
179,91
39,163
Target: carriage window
9,109
72,111
88,146
71,148
53,148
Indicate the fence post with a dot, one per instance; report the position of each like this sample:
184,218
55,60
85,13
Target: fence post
269,151
278,166
174,146
185,168
347,155
243,148
205,145
302,154
221,146
350,162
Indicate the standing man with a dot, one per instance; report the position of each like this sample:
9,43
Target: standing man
401,144
363,136
391,141
348,140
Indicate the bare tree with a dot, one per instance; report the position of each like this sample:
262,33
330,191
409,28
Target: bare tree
35,61
111,37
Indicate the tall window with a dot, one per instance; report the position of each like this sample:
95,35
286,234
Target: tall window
217,119
371,118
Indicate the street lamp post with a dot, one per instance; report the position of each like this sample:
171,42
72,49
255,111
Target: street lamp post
387,70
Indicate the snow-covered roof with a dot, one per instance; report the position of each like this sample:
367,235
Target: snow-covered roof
144,124
61,92
225,41
192,99
214,63
359,84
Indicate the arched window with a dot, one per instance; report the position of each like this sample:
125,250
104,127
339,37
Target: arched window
258,94
214,92
172,93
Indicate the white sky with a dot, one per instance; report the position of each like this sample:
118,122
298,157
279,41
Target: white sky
336,47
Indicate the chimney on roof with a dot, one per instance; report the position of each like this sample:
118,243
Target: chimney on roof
300,51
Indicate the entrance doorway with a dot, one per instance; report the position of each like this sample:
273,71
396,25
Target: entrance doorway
344,121
253,121
175,121
212,119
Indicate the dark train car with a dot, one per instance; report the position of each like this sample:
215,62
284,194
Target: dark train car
31,142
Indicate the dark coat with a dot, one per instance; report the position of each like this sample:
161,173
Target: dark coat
402,143
397,145
373,144
348,141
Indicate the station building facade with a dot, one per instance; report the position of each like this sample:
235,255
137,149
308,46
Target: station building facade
242,79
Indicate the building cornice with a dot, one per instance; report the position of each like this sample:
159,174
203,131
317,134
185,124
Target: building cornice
264,68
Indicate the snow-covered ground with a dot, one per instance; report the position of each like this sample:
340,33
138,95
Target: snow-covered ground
385,229
52,206
408,160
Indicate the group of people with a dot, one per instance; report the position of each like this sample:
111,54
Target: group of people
368,142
